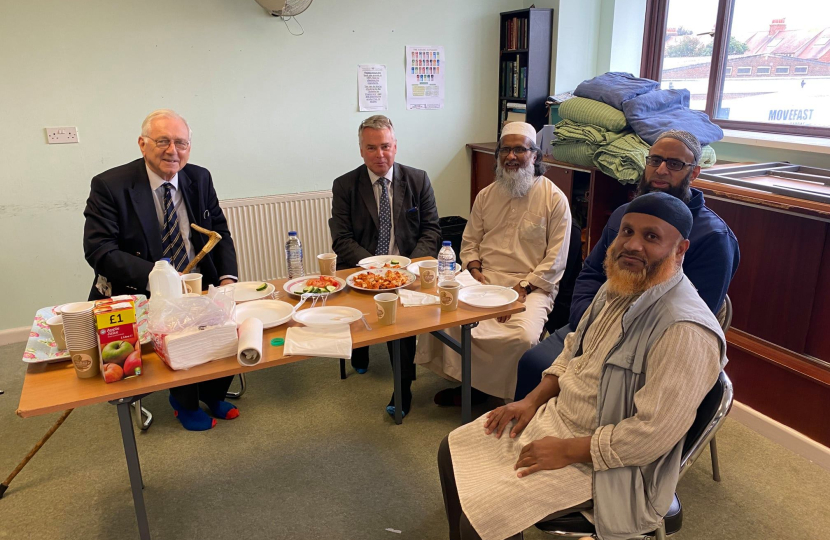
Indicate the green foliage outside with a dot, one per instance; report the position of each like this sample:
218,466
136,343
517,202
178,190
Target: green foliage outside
691,46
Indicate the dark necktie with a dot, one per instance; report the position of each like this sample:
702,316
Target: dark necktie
385,218
171,237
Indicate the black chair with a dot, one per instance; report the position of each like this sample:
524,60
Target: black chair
725,319
562,303
710,416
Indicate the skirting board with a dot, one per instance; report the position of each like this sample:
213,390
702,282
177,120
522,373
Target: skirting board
778,433
14,335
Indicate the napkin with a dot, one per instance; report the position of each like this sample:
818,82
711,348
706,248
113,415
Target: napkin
328,342
466,279
249,350
199,345
414,298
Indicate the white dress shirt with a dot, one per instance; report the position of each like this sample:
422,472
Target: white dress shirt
377,188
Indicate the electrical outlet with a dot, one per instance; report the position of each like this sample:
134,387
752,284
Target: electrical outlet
61,135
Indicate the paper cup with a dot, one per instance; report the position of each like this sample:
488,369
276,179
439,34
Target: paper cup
387,306
428,270
85,362
56,327
448,295
192,283
79,326
327,262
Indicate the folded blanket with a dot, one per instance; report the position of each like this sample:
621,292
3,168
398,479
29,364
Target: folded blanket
707,157
577,153
623,159
614,88
661,110
570,131
595,113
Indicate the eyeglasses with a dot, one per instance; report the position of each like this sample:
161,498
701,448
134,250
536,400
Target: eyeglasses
671,164
163,144
517,150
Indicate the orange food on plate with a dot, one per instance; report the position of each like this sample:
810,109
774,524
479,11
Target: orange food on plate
322,282
390,279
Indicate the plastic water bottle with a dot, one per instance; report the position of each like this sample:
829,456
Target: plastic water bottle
294,256
446,262
165,282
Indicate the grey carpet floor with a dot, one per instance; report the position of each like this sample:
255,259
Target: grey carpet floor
312,456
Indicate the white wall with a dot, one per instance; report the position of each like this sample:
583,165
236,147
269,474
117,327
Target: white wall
270,112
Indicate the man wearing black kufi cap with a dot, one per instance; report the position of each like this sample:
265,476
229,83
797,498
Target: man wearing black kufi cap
605,427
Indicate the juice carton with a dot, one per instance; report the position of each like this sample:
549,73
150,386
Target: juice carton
118,345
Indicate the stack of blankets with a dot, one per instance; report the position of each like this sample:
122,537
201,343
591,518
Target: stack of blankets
615,119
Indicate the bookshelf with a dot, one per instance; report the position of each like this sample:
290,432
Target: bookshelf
524,65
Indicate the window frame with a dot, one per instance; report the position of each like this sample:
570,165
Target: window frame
778,70
651,67
748,70
805,68
767,72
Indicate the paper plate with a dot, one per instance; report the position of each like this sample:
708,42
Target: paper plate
415,268
246,291
378,261
328,316
271,312
410,279
487,296
296,284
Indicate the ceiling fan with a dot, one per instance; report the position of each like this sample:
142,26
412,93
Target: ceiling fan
284,8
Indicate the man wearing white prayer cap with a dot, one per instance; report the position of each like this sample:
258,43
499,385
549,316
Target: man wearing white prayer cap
517,236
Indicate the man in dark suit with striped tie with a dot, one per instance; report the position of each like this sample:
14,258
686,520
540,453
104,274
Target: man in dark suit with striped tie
141,212
383,208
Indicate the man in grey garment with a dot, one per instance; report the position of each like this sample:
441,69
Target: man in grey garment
605,426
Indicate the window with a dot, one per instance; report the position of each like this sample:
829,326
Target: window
709,41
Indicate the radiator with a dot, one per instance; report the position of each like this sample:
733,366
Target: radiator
259,228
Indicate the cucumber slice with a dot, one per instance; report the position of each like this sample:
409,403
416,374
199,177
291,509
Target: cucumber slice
331,288
308,289
395,262
262,287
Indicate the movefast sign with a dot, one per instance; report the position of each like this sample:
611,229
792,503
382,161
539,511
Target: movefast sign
790,115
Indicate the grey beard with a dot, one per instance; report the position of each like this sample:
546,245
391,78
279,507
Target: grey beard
516,184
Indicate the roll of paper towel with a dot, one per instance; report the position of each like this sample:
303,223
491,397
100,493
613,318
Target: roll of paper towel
249,352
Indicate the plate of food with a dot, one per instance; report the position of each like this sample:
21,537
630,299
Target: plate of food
247,291
415,267
314,285
271,312
380,279
487,296
384,261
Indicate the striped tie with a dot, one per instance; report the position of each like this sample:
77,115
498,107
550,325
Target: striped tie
385,218
171,236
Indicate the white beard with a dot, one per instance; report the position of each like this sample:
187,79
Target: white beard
515,183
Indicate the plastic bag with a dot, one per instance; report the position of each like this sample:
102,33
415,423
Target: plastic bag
170,316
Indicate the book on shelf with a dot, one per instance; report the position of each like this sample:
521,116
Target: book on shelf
515,34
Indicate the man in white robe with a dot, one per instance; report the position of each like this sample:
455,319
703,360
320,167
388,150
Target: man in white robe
517,236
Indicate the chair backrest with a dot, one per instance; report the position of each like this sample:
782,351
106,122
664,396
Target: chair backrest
710,415
727,316
558,317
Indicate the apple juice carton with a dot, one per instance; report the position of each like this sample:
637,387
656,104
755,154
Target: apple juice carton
118,345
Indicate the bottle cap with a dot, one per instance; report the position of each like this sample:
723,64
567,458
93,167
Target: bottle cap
292,233
166,259
277,342
446,243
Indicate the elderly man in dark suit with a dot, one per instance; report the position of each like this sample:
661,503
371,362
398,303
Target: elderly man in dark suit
383,208
141,212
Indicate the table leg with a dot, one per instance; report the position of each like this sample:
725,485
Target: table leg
396,367
133,468
466,388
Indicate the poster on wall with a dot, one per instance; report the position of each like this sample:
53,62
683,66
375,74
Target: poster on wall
425,68
371,87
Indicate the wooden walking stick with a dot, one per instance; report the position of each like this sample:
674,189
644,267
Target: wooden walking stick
213,239
5,485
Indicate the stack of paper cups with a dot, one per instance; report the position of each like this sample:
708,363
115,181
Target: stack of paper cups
81,339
